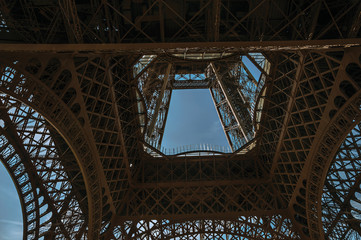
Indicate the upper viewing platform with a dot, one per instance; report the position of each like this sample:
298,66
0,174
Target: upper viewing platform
236,84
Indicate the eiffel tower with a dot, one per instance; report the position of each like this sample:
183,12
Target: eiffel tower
85,89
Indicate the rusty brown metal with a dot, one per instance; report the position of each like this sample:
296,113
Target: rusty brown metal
183,47
85,87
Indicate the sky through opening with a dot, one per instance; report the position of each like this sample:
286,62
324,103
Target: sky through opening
192,119
11,222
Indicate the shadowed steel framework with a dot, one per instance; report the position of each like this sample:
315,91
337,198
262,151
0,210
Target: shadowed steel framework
85,88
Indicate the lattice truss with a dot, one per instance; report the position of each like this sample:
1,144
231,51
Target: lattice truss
217,189
43,167
341,198
208,229
145,197
70,21
81,131
234,90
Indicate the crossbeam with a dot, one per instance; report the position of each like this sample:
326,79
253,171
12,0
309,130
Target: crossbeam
182,47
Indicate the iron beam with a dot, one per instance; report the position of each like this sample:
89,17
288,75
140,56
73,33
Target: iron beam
159,101
182,47
217,106
228,98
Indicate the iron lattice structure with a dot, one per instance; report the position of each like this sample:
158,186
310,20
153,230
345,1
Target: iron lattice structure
85,89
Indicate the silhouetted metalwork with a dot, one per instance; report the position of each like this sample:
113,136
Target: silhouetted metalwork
85,90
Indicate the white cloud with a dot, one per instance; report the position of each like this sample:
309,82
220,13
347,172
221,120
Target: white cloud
9,192
6,221
11,230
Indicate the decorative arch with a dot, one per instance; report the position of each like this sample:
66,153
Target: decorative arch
341,195
341,118
30,88
53,198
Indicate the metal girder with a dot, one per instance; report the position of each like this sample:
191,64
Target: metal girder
288,110
240,97
159,100
163,118
156,136
255,63
217,105
119,124
214,21
357,23
149,48
230,104
190,84
184,21
316,12
70,14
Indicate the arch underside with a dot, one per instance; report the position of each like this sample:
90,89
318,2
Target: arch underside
340,201
53,175
341,194
333,168
53,198
75,119
168,187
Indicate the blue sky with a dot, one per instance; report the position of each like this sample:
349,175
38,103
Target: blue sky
192,119
11,222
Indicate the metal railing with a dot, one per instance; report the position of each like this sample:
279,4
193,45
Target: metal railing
198,150
192,149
